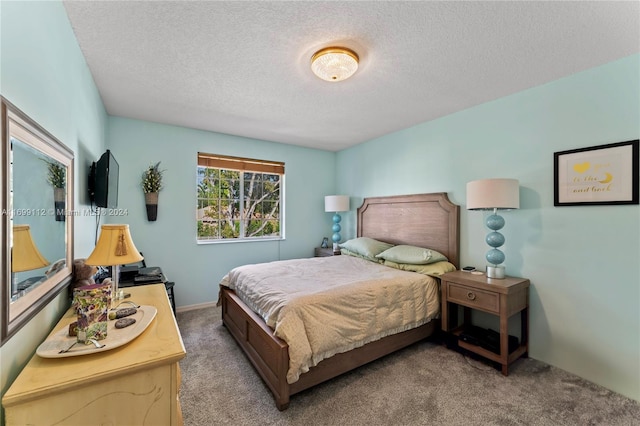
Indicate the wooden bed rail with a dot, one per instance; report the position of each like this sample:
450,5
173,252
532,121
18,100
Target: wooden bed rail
268,354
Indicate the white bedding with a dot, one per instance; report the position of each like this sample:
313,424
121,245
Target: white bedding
327,305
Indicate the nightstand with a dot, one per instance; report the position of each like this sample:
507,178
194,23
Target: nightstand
325,252
502,297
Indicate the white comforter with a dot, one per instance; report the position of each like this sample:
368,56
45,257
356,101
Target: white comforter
327,305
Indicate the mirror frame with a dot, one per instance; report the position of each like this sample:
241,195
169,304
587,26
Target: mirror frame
15,315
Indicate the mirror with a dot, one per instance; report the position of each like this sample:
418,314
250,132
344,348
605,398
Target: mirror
37,218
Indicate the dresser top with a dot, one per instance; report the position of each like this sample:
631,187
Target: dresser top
159,344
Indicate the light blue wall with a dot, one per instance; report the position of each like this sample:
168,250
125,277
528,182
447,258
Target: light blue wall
170,242
582,261
43,72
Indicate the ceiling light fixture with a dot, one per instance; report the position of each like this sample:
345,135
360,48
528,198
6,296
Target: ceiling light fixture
334,63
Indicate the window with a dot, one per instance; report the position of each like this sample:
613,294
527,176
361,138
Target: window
238,198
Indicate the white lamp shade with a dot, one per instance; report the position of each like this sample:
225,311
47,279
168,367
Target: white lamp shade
489,194
115,247
336,203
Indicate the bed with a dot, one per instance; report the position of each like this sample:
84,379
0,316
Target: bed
424,220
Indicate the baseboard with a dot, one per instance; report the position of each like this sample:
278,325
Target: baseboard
195,307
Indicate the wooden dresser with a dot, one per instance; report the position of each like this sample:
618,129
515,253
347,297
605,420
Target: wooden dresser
134,384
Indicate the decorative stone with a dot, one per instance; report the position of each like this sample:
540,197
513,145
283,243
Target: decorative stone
125,322
73,329
121,313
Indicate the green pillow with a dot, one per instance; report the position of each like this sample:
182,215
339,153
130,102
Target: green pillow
346,252
412,254
431,269
366,247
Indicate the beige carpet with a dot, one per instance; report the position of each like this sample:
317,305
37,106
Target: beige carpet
421,385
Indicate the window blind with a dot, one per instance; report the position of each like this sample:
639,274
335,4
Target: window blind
239,163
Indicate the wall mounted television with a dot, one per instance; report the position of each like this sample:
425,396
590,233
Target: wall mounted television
103,181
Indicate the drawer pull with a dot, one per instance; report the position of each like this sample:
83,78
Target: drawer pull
471,296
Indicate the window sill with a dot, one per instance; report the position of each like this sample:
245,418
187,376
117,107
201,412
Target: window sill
238,240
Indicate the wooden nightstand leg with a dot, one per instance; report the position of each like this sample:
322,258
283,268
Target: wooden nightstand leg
505,369
445,310
504,336
524,331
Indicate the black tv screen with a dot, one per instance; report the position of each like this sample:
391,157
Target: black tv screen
105,192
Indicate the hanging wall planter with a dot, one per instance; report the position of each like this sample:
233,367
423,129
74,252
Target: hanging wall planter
152,184
151,202
57,178
59,203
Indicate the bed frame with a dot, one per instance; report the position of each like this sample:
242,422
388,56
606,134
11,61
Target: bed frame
425,220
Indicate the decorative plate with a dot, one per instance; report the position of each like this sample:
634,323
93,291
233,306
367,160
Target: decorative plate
59,345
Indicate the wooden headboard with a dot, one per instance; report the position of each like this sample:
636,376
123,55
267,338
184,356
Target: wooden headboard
423,220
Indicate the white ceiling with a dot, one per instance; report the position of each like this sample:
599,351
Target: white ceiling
243,67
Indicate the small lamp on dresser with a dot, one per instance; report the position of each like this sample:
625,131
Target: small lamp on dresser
336,204
494,194
114,248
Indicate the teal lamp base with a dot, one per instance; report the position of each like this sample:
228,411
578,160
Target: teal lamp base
336,232
495,239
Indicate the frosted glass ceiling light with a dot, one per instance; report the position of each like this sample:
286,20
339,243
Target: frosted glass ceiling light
334,63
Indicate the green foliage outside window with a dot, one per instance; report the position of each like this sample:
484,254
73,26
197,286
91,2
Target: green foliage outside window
237,205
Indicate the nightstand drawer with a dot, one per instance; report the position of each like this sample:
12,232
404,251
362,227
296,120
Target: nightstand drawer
474,298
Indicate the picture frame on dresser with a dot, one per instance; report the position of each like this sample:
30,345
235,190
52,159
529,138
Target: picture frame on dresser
597,175
325,243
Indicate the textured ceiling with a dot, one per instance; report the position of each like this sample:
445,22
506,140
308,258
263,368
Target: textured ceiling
243,67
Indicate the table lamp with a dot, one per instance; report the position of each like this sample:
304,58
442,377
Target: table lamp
25,256
494,194
114,248
336,203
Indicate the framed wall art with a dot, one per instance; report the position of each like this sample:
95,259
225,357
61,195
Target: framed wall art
597,175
